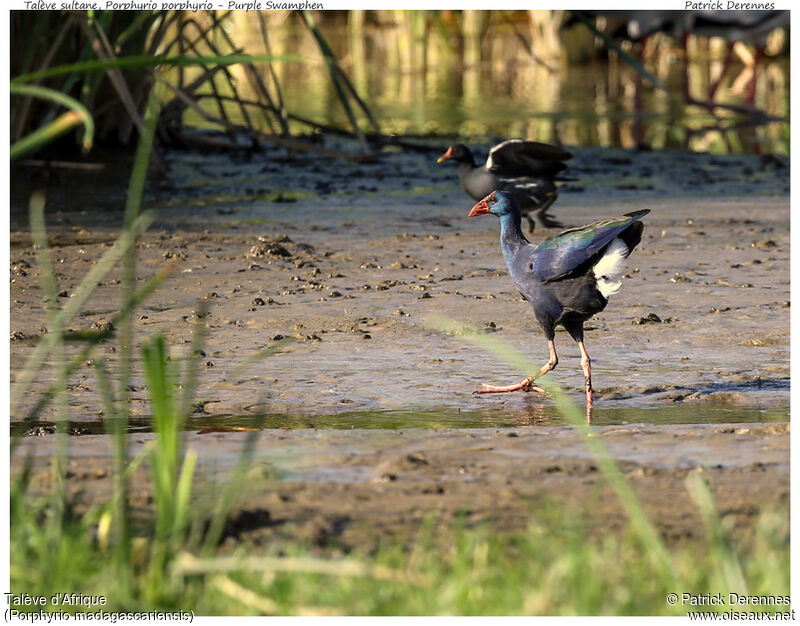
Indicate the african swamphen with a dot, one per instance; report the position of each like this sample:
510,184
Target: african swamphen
567,278
525,169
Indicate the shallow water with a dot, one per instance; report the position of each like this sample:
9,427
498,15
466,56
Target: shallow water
534,414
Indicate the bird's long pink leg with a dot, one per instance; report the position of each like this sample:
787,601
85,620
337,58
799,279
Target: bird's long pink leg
527,384
687,90
586,365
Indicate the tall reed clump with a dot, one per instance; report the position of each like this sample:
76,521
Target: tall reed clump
94,69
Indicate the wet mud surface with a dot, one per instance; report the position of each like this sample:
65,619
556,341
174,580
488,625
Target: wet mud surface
344,265
358,487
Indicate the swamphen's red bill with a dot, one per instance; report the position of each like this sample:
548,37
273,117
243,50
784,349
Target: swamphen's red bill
446,156
482,208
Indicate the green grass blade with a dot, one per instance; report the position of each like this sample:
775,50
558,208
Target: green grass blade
183,493
46,134
55,326
259,356
187,565
730,570
117,428
232,487
139,26
64,100
140,296
133,205
164,457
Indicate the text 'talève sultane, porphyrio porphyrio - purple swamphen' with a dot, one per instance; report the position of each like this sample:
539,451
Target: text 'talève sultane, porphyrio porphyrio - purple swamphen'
566,278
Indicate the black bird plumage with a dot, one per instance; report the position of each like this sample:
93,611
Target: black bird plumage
525,169
566,278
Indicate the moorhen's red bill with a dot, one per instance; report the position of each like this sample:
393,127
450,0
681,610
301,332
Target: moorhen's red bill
525,169
567,278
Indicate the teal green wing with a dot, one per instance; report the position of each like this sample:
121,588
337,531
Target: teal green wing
569,250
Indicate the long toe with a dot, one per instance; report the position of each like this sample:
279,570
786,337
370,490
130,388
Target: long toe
494,389
525,385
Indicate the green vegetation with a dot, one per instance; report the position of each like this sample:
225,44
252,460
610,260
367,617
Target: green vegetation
109,61
554,567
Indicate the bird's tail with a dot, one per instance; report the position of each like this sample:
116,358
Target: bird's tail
608,270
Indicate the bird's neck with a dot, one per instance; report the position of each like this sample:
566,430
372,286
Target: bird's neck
465,168
511,237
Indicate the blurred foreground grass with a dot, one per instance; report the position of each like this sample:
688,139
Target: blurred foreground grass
552,568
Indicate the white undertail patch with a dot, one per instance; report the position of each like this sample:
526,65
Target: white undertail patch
608,270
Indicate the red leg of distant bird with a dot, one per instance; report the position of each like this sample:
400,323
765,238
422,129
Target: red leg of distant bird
751,90
687,92
527,384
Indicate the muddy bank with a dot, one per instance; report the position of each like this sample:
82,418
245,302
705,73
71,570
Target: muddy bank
356,488
350,261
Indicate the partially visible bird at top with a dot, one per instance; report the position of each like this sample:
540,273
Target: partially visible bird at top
525,169
567,278
747,27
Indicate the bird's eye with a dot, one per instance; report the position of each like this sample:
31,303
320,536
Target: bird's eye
530,266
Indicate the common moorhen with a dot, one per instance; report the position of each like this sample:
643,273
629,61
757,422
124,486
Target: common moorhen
525,169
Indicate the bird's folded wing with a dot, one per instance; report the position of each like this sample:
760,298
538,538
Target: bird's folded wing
518,157
567,251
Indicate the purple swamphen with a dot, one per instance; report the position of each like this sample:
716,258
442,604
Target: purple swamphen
525,169
567,278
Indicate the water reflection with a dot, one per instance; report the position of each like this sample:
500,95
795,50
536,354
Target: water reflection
481,74
533,413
